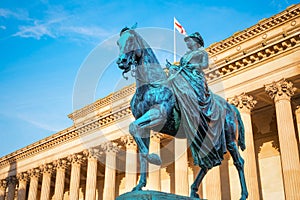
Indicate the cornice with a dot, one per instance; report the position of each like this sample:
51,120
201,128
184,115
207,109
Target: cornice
104,121
66,135
108,100
61,137
253,56
262,26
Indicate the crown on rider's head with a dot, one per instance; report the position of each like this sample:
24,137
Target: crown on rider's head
196,37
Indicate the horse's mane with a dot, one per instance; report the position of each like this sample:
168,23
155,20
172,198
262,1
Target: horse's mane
145,47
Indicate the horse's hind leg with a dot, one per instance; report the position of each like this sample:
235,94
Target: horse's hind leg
239,164
198,180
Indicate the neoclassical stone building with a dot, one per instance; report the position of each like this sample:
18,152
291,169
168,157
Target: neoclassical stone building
257,70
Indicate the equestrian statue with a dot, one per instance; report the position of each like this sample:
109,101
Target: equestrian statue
180,104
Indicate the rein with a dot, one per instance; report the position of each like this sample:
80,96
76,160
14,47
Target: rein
135,68
161,82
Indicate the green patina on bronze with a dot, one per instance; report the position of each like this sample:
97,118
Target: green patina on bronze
181,105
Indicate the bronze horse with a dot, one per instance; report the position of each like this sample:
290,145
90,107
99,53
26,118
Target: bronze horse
153,106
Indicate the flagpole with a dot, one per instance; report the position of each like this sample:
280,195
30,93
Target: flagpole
174,41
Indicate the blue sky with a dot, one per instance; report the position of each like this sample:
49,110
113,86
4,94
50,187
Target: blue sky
44,43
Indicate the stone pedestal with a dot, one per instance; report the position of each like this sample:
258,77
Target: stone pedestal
152,195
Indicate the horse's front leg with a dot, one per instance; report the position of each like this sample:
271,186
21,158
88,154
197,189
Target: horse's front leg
151,119
143,163
140,130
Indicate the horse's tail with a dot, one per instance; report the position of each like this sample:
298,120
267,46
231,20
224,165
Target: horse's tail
241,129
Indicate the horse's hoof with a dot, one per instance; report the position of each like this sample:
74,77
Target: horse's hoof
153,159
136,188
139,186
194,195
244,197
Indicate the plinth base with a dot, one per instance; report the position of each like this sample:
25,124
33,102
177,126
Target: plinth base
152,195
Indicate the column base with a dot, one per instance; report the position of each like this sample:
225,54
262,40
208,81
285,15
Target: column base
152,195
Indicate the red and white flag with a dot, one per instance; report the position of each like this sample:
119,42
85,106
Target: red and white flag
178,26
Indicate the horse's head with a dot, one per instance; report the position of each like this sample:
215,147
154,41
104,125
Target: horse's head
130,50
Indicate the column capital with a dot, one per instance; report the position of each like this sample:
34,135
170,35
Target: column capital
280,90
11,180
47,168
76,158
3,184
34,173
243,102
61,164
156,136
23,176
129,142
94,152
110,147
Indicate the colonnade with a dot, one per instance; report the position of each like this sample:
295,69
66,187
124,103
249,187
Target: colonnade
281,92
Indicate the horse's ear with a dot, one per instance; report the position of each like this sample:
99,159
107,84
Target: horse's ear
134,26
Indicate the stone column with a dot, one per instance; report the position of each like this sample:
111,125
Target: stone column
282,91
225,177
181,167
213,184
22,178
3,184
91,180
61,166
297,113
11,183
34,175
111,149
131,162
245,103
47,170
154,182
76,160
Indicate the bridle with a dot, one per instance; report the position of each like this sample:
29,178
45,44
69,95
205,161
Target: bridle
133,62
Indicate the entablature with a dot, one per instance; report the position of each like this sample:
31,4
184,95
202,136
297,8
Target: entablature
259,29
278,46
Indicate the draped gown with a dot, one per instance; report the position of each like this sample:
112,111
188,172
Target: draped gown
202,111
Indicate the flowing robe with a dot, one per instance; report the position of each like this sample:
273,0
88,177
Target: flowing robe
202,111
